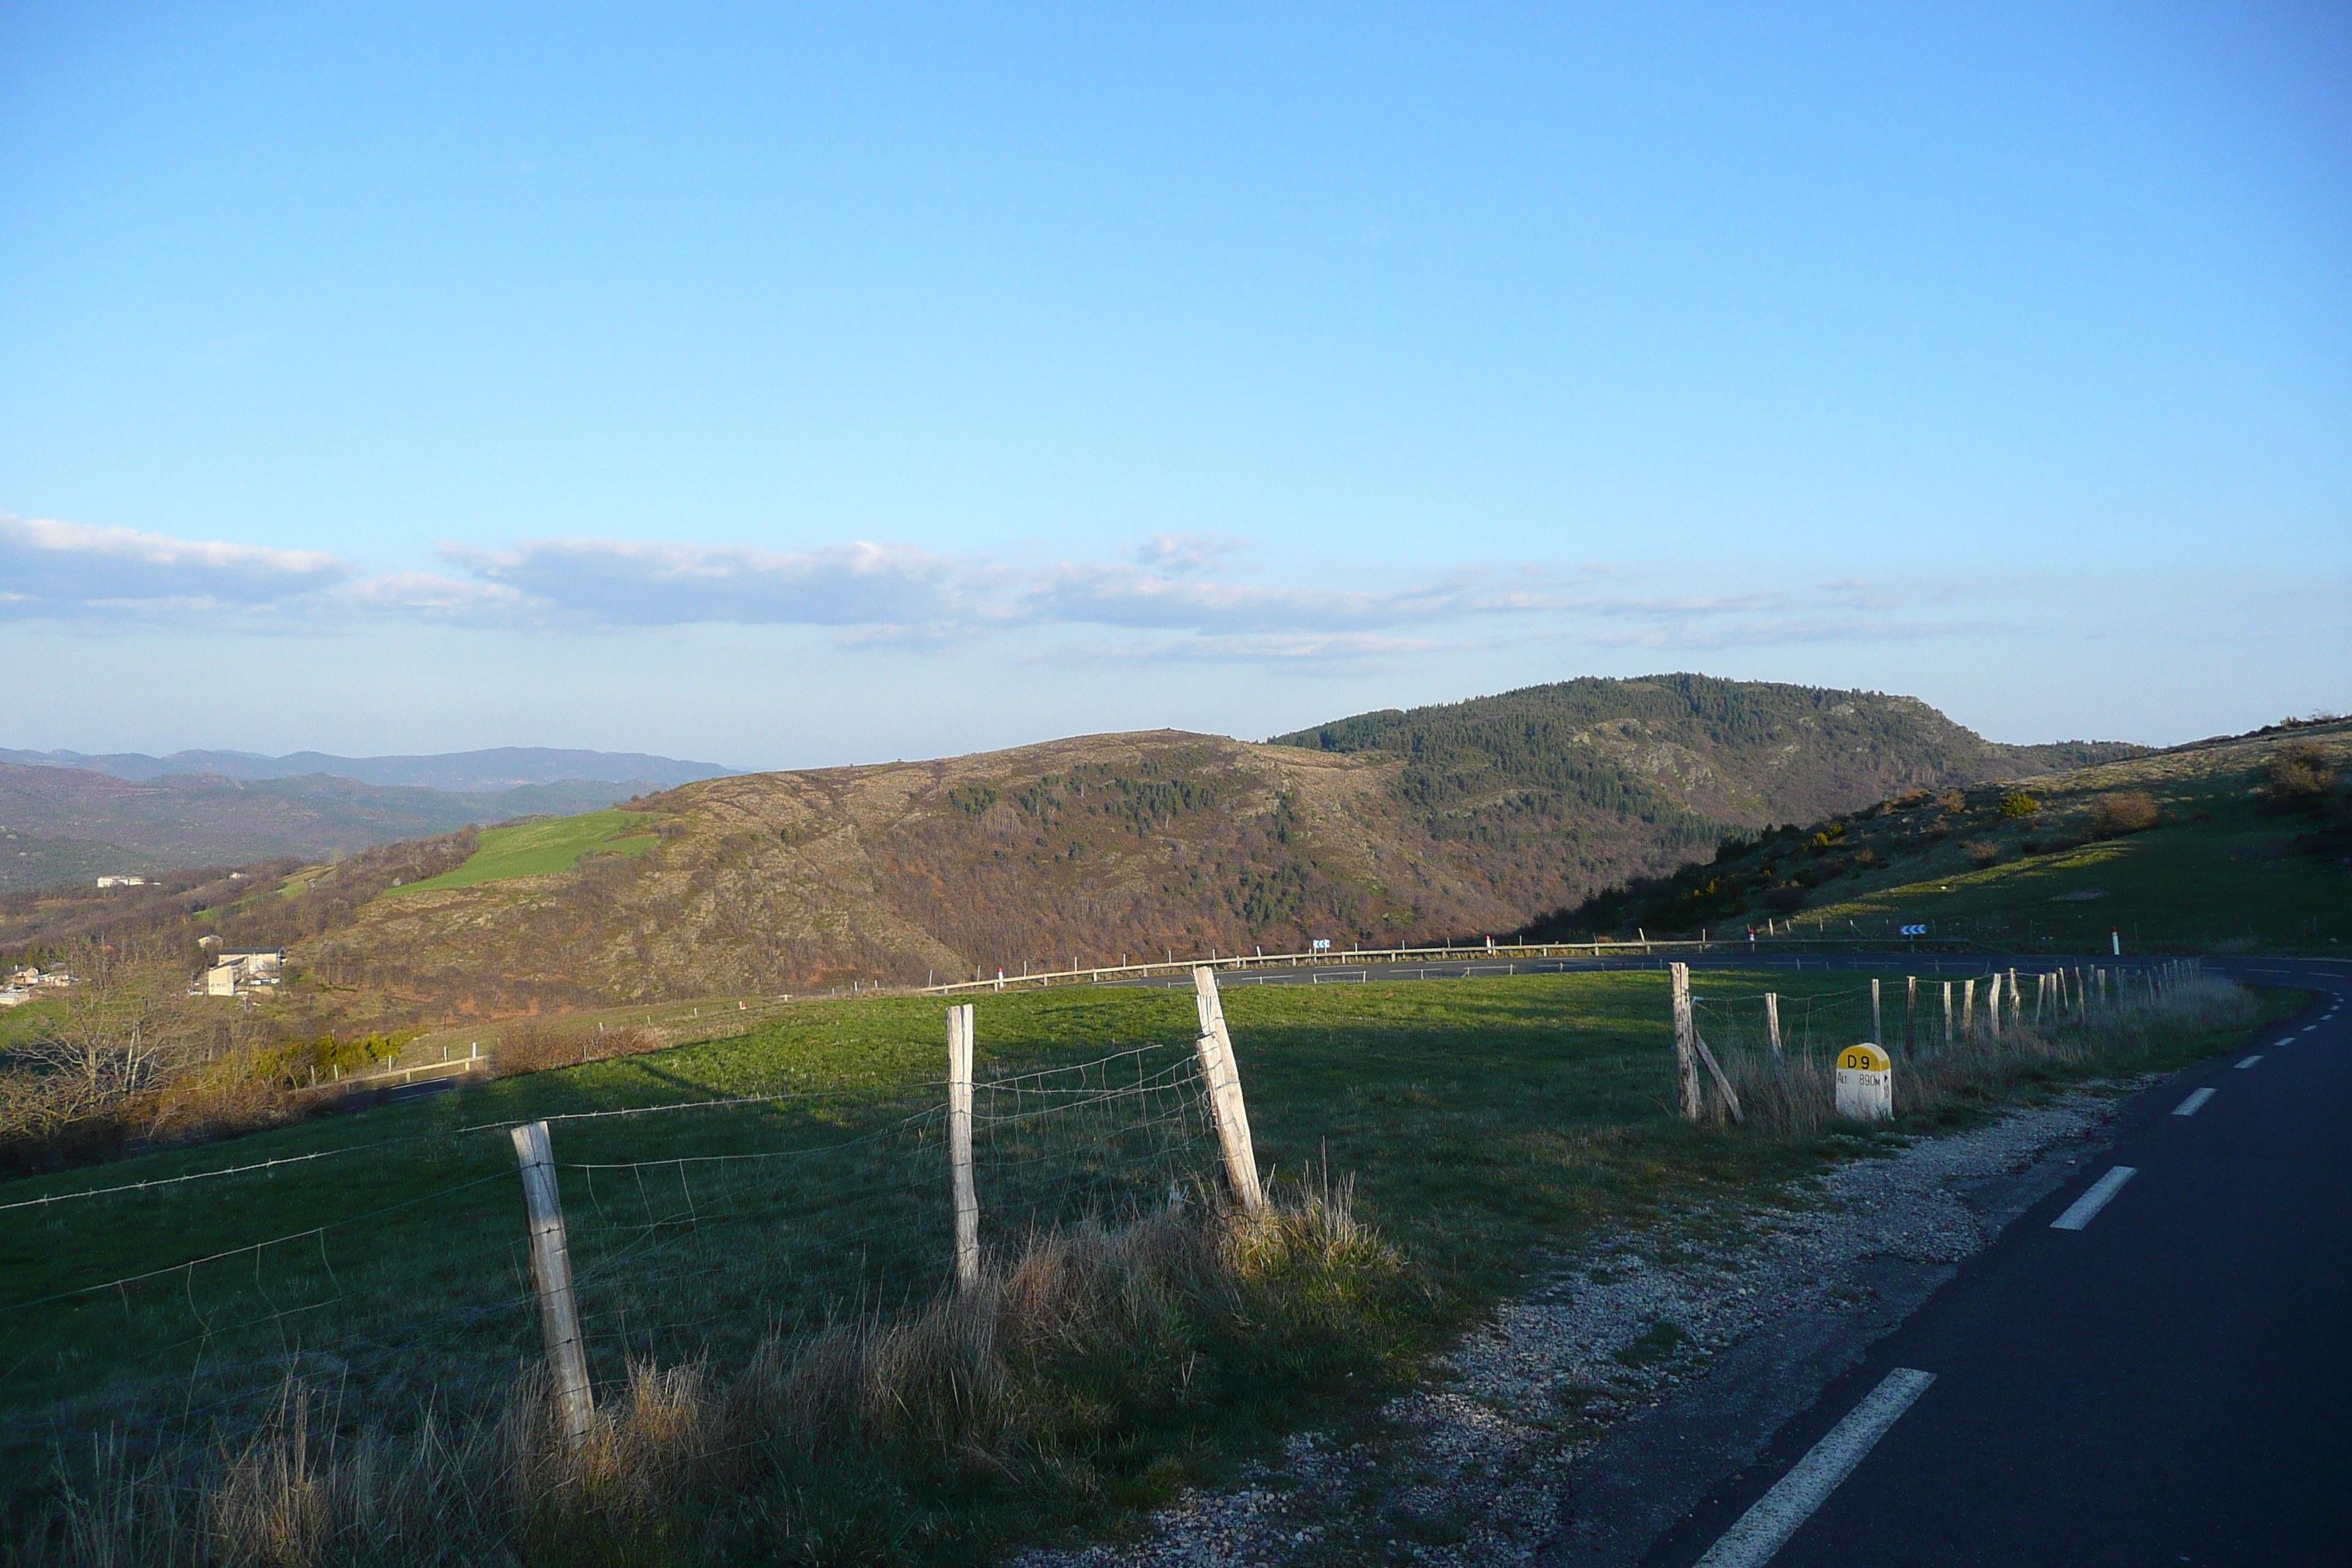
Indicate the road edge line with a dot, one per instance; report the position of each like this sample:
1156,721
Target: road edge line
2080,1211
1772,1518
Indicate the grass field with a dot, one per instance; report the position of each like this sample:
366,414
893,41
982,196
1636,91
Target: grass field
2224,866
2233,882
545,848
1485,1121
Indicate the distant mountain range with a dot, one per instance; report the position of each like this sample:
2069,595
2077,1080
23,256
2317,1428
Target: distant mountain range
68,824
500,768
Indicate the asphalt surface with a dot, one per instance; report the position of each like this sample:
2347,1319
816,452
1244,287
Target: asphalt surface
2170,1384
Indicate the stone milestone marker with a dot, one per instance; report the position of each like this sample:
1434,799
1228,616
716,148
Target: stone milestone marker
1865,1083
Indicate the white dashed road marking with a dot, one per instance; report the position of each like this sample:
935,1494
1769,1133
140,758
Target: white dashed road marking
2194,1104
2091,1203
2250,1061
1765,1527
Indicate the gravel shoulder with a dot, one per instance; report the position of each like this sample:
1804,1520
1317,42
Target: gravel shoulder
1566,1428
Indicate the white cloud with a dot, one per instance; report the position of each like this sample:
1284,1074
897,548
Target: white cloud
620,582
51,568
1175,554
1178,599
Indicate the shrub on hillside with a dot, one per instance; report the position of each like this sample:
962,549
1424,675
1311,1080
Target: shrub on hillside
2112,816
2017,804
1980,853
2298,777
536,1045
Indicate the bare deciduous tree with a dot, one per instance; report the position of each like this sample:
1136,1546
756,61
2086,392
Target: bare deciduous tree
123,1023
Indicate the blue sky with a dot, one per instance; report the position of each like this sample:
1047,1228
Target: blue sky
788,385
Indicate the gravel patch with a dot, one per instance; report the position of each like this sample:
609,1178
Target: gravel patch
1467,1468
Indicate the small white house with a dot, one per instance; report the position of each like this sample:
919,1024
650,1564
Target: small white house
260,962
123,882
221,979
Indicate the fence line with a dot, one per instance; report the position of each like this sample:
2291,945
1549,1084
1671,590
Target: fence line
672,1238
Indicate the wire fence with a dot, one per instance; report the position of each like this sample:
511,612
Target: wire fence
694,1230
1924,1012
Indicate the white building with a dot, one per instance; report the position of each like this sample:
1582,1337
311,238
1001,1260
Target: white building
123,882
232,973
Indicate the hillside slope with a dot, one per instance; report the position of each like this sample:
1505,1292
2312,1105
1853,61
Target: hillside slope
1087,850
1746,753
2240,842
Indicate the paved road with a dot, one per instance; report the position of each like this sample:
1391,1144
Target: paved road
2170,1384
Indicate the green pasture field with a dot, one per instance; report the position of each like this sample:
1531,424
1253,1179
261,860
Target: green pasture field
2196,887
25,1021
1485,1121
544,849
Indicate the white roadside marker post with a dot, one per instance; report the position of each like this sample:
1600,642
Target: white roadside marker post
1865,1083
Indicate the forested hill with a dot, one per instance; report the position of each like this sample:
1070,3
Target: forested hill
1446,823
1686,751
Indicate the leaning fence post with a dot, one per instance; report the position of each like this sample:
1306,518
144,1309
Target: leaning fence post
1222,1075
1686,1043
967,1202
1772,1020
550,1272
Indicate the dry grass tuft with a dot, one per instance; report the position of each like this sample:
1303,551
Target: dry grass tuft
1795,1096
817,1449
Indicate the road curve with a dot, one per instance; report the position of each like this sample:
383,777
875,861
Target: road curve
2153,1365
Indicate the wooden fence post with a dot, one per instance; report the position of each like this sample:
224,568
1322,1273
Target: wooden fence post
1947,1014
550,1272
1686,1043
1222,1075
1877,1028
1910,1010
1992,1006
967,1202
1969,1007
1772,1020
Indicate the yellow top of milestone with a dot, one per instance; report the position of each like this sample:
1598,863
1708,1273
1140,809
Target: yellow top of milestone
1863,1057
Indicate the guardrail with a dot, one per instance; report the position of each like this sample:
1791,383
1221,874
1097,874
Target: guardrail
398,1077
1356,958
